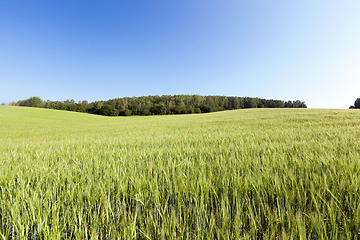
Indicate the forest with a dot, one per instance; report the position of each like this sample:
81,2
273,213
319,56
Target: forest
160,105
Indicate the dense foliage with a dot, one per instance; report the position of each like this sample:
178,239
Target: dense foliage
161,105
256,174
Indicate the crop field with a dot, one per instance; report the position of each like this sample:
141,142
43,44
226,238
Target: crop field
241,174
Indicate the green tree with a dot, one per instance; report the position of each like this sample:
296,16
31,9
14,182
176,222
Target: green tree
32,102
158,109
108,110
251,102
299,104
357,103
288,104
125,112
205,109
236,103
197,110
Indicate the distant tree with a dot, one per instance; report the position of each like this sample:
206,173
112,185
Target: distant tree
61,106
197,100
2,104
159,105
80,108
52,105
178,110
181,104
234,102
85,103
251,102
125,112
47,104
108,110
145,108
158,109
170,106
31,102
190,109
261,105
279,103
71,107
205,109
299,104
357,103
288,104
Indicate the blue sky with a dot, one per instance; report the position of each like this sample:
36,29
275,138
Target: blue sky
98,50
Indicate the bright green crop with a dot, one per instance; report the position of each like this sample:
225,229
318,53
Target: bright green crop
241,174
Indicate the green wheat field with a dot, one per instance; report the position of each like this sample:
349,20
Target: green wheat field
240,174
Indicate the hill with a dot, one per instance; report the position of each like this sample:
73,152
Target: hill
266,173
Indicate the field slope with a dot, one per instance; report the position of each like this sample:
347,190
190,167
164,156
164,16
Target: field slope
257,173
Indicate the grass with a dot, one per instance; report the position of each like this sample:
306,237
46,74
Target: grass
241,174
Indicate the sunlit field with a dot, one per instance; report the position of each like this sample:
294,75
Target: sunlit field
241,174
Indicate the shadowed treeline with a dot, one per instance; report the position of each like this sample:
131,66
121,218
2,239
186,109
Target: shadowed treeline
160,105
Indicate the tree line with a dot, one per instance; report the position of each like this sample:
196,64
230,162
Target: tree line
356,104
160,105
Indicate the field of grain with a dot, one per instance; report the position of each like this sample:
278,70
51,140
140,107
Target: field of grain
241,174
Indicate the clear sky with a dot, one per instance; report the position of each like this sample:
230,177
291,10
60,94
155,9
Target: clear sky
98,50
